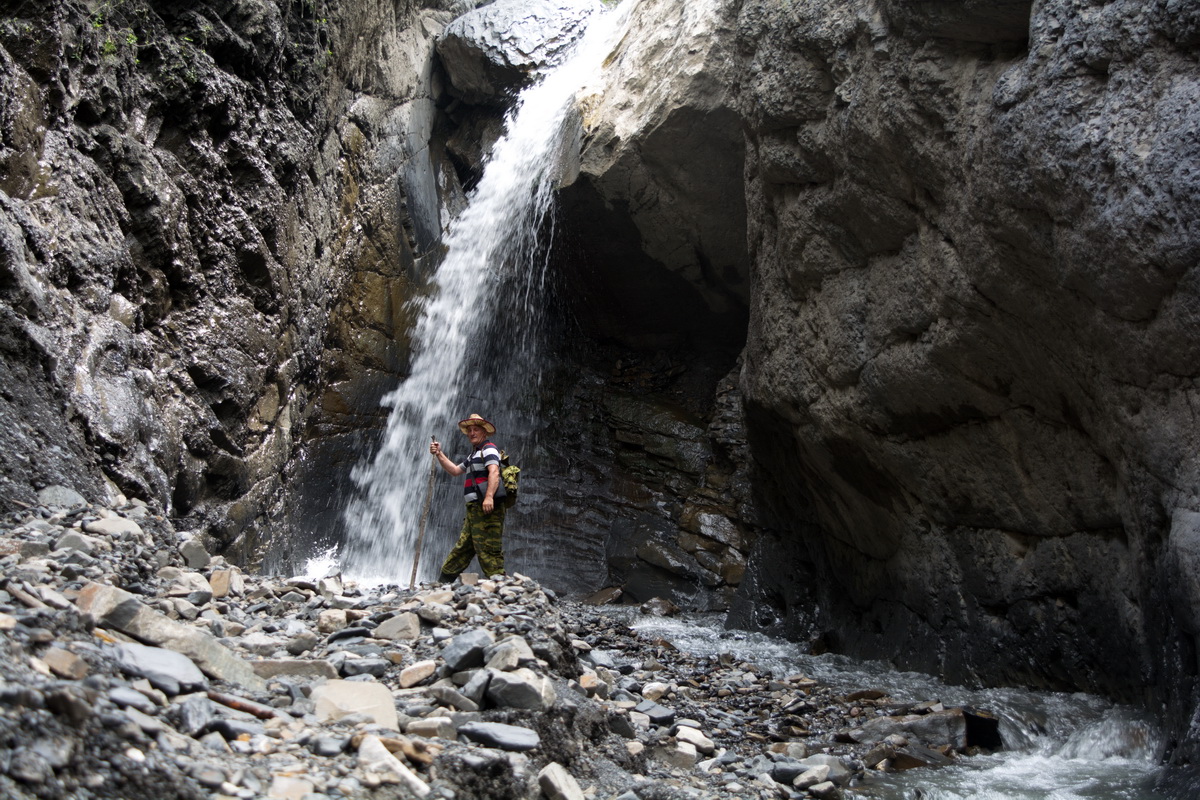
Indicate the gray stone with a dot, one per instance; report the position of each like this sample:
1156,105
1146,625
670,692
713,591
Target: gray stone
497,734
165,669
73,540
475,689
336,699
491,51
125,696
403,626
839,773
451,697
520,689
659,715
116,608
508,654
60,496
558,784
195,555
195,714
116,527
376,667
302,643
303,669
29,766
191,586
466,650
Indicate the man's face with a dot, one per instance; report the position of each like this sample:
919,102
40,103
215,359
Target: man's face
476,434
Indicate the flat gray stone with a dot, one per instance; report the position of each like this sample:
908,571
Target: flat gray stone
115,608
165,669
497,734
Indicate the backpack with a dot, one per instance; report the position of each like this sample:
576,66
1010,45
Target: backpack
510,475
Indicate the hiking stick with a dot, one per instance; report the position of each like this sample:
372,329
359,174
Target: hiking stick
412,581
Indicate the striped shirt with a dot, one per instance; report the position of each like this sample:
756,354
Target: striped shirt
476,473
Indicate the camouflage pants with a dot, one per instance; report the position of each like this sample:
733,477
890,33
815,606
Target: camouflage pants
480,536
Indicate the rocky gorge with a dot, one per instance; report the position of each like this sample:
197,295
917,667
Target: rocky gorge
874,317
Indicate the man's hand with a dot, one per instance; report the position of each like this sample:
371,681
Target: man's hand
435,448
488,504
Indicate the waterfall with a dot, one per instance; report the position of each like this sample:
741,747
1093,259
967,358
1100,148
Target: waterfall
476,341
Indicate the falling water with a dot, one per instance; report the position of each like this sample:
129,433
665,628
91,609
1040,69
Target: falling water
476,339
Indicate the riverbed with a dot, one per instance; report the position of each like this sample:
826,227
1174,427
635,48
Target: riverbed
1059,746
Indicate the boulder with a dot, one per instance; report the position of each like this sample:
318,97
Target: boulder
491,52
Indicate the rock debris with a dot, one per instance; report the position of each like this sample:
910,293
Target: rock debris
135,665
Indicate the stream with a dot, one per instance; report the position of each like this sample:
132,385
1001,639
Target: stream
1059,746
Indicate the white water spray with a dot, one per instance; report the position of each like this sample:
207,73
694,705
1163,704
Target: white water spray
493,244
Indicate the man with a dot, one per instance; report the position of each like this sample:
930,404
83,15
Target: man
482,489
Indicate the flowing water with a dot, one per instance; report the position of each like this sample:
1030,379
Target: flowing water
476,341
1058,746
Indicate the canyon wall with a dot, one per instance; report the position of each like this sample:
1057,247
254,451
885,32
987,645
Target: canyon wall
969,375
208,216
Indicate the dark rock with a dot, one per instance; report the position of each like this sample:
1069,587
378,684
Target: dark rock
659,715
377,667
466,650
195,715
496,734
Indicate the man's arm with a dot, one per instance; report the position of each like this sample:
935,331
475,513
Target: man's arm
489,501
446,464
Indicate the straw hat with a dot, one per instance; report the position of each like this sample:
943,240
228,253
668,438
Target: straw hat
475,419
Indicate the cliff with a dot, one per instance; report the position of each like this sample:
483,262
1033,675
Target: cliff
201,243
970,364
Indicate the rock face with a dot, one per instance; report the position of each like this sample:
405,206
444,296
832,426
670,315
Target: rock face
971,352
492,52
199,230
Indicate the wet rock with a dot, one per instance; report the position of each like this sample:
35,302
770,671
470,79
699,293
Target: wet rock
659,607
